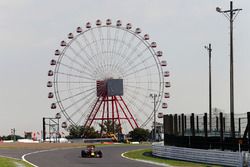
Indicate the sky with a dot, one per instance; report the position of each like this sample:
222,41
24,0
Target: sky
31,30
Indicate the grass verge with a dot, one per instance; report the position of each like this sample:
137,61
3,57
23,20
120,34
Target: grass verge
10,162
146,155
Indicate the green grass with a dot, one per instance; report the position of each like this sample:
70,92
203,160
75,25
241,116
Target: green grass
145,154
9,162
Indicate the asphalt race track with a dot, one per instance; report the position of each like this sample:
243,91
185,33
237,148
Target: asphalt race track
71,158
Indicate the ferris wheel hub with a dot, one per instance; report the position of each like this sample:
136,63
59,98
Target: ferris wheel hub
109,87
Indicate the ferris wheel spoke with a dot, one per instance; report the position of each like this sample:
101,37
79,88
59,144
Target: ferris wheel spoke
137,88
76,102
75,95
136,55
94,40
102,43
72,115
118,52
138,108
129,56
141,88
92,98
113,52
89,45
74,61
121,46
149,118
144,68
143,105
138,64
76,76
103,52
82,116
73,82
131,62
71,67
124,52
86,54
75,88
142,76
122,43
95,61
101,39
80,57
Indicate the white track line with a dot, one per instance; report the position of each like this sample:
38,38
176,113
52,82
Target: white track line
23,157
35,152
17,164
145,161
10,157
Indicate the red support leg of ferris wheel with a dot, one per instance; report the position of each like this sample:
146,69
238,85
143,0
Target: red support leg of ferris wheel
110,105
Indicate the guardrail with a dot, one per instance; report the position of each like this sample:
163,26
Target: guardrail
225,158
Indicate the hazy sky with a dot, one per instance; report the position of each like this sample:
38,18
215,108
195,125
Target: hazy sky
31,30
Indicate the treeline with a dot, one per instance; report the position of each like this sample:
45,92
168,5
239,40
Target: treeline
109,127
11,137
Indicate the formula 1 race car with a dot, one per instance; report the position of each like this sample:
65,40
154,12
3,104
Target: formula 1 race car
90,152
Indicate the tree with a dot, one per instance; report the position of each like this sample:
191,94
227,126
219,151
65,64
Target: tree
139,134
10,137
90,132
110,127
76,131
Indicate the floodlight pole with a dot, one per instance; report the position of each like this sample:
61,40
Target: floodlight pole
210,87
231,18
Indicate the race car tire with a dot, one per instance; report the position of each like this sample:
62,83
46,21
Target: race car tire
83,153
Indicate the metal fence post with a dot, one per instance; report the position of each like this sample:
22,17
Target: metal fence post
205,124
192,124
221,131
182,125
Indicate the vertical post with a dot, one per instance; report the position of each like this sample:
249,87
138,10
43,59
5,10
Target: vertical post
154,123
210,87
58,131
182,125
44,130
217,124
179,124
165,129
165,123
205,124
231,18
197,124
175,125
171,124
221,131
185,122
239,126
154,118
210,90
231,72
224,124
248,130
192,124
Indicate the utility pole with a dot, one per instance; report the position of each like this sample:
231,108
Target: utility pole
154,98
229,14
210,87
13,133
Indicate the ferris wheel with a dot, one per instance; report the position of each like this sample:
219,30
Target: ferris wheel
106,72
